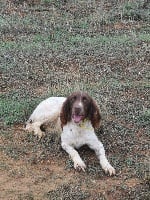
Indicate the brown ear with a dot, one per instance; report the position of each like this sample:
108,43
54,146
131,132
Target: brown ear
65,114
94,114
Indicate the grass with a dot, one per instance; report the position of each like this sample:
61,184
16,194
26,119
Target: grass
14,110
64,192
131,11
52,48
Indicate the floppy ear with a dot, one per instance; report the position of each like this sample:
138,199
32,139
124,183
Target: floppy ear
94,114
65,114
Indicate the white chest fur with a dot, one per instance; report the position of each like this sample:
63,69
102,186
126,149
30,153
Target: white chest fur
77,135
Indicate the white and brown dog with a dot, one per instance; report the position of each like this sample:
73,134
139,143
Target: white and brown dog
79,116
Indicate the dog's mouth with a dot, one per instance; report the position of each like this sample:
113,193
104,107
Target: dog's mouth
77,118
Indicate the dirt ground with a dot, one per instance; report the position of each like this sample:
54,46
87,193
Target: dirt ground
29,170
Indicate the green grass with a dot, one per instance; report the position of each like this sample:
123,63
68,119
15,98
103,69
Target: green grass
66,191
144,118
57,39
17,108
13,110
134,11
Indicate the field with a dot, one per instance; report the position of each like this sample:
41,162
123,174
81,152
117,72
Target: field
52,48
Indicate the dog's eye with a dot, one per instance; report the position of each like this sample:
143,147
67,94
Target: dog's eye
73,98
84,99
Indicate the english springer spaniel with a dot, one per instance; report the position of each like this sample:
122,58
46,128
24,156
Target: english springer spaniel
79,117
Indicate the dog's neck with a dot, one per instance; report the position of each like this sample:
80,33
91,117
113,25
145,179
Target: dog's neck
84,124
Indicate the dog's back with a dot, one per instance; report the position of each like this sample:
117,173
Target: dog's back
47,111
49,108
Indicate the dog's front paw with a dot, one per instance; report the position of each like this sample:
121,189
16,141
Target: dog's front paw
109,169
79,165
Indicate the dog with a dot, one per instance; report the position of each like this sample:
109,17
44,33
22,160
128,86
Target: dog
79,117
47,111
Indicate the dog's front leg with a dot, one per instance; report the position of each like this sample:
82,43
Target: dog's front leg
78,162
97,146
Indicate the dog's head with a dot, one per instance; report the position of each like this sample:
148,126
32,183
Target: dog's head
79,106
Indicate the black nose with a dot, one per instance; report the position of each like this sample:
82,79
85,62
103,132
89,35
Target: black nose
77,110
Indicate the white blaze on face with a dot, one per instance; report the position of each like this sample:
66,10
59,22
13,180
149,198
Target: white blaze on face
80,104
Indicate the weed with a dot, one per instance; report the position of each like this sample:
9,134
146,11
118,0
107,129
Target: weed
27,196
4,166
68,191
14,110
144,118
14,152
